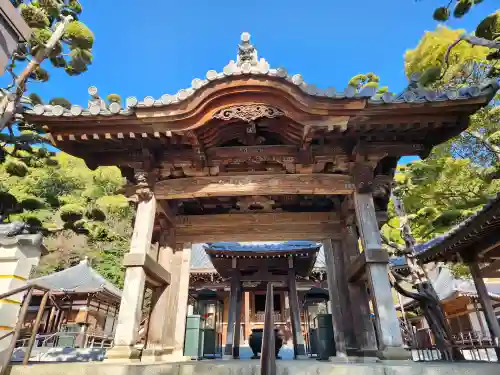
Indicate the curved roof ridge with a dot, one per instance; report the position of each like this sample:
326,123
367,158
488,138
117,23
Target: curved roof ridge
247,63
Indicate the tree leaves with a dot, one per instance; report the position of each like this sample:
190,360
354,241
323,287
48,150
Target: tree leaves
78,209
438,193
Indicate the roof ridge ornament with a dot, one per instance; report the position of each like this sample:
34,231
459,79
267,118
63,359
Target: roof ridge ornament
247,53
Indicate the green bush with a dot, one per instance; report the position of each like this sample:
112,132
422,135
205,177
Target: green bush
32,203
70,213
16,168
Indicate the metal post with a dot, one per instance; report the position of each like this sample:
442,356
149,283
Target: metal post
34,331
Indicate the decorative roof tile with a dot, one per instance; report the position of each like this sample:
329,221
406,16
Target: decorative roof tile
247,63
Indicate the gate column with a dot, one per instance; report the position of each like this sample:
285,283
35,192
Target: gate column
298,339
377,270
129,317
365,339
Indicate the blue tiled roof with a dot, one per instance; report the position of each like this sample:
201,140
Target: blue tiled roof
200,261
271,246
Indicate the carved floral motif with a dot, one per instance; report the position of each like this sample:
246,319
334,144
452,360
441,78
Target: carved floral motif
248,113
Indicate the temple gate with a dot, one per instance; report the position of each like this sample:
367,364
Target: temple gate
255,154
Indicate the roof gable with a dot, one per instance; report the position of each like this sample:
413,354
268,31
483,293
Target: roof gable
81,278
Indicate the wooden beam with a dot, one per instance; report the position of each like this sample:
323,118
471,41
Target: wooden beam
183,188
357,268
258,227
256,219
156,274
271,233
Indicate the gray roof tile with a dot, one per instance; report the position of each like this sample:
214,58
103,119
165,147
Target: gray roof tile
78,279
251,65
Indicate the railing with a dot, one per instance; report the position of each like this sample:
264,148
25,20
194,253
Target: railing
20,322
268,356
277,317
472,344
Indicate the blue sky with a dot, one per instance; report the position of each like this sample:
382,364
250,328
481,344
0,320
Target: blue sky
156,49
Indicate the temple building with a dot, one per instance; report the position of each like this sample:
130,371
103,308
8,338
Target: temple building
471,306
253,153
210,269
83,307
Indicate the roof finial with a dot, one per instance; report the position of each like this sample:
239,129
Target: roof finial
246,51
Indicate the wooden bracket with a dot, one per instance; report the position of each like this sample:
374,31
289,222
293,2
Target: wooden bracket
363,177
200,157
167,211
357,268
155,273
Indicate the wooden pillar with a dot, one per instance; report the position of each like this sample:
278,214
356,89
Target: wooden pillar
232,312
247,315
298,339
387,323
485,301
129,318
366,341
162,329
237,324
337,288
182,302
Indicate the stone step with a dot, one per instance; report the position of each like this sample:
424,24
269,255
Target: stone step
234,367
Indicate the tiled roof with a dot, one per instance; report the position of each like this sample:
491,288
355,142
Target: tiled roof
267,246
78,279
200,261
447,286
458,231
425,249
248,64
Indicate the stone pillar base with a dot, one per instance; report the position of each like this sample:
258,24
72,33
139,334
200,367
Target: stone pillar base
123,354
373,353
350,359
152,355
394,353
176,356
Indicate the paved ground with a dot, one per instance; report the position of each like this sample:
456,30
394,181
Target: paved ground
286,352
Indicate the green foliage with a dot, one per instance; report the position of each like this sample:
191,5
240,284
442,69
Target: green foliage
73,53
489,28
16,168
438,193
466,64
441,14
79,209
34,16
35,99
61,101
361,81
460,9
78,35
114,98
71,213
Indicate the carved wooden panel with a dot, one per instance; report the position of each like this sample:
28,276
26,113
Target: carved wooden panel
248,112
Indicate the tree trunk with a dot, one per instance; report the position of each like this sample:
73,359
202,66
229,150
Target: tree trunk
426,295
